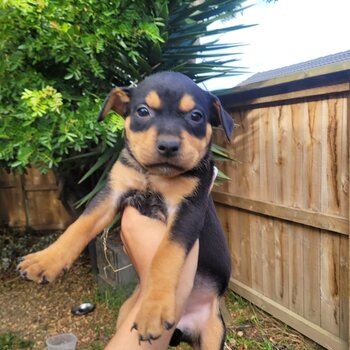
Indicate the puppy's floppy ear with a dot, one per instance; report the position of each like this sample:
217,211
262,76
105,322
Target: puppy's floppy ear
118,100
221,117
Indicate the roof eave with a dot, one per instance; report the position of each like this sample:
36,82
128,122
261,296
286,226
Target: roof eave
334,73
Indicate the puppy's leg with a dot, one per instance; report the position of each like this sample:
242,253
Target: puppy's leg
213,333
44,266
158,306
157,312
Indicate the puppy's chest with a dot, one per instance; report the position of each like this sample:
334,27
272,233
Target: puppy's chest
148,203
158,197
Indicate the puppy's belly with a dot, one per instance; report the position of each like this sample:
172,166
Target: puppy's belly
199,307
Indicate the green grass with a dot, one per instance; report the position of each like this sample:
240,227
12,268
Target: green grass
253,329
11,341
114,297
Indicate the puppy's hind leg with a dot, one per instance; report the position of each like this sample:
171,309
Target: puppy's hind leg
213,332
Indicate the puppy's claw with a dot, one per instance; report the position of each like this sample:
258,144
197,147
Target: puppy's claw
44,280
149,339
24,276
168,325
154,337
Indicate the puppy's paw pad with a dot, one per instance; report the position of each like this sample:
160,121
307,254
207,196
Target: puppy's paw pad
154,317
41,267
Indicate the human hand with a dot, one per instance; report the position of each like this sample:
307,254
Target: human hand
141,237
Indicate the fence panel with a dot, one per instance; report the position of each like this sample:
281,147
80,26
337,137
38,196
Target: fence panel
286,211
31,201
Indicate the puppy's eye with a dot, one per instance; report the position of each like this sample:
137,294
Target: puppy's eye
143,112
196,116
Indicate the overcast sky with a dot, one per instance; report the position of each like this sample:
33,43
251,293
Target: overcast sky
288,32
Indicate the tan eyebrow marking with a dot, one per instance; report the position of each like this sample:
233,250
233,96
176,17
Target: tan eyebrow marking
153,100
186,103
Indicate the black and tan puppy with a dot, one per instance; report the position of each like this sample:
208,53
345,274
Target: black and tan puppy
165,170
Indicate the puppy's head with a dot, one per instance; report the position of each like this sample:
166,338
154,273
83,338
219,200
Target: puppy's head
168,123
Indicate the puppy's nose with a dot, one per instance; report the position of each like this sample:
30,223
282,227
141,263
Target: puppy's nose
168,147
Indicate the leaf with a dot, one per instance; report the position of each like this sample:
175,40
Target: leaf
68,76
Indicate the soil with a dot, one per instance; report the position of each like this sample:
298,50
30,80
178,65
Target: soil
35,312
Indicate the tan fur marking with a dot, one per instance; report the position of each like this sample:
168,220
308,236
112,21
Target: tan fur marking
186,103
213,331
174,189
117,100
193,149
142,144
123,178
166,266
159,304
153,100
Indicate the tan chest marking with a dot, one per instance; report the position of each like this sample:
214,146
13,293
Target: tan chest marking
124,178
174,189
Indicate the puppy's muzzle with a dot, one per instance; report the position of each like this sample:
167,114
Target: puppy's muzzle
168,146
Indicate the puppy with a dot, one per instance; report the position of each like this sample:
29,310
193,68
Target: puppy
165,171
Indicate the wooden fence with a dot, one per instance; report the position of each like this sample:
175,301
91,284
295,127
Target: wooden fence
286,208
31,201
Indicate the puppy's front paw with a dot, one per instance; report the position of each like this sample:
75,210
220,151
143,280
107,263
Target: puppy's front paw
156,315
42,267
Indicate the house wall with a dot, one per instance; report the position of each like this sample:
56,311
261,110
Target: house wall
286,209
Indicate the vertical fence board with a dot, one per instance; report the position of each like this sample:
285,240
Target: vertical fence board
268,267
344,288
286,155
256,253
312,276
234,242
330,282
295,268
281,263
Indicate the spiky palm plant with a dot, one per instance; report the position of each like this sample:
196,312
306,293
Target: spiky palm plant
186,45
184,30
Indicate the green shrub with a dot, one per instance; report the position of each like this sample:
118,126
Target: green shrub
61,58
58,60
